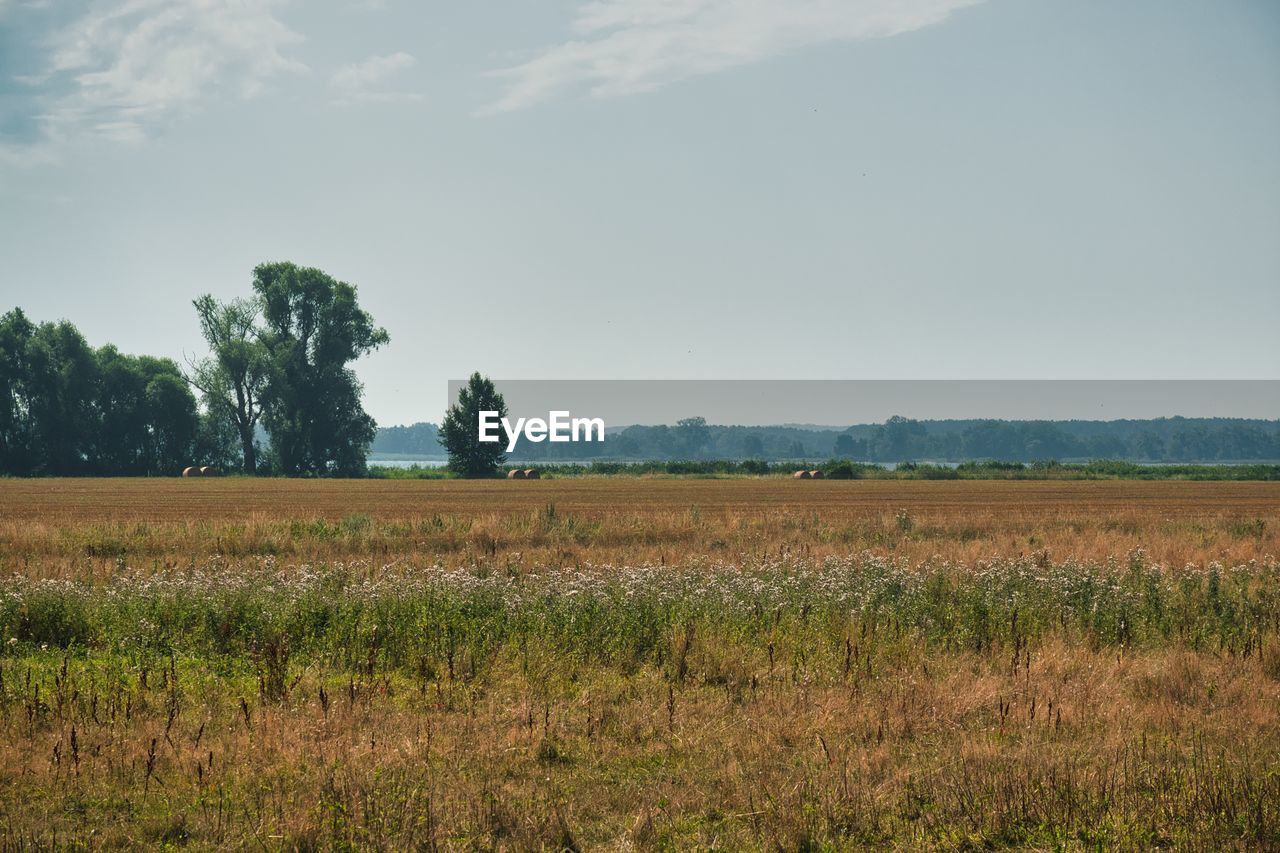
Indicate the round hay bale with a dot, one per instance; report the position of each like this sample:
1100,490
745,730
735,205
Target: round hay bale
816,475
191,471
802,475
515,474
531,474
208,471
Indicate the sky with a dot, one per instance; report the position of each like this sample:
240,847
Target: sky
838,403
661,189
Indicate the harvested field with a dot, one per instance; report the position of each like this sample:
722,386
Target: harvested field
624,521
645,664
230,499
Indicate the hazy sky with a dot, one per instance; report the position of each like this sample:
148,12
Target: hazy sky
662,188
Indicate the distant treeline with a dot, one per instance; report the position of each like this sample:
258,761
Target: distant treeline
421,439
899,440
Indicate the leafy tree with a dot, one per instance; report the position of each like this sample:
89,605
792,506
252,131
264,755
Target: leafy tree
662,439
422,439
121,412
898,439
841,470
313,329
69,409
234,377
1110,447
1186,445
61,380
693,435
217,442
622,444
16,433
460,430
1149,445
173,421
146,415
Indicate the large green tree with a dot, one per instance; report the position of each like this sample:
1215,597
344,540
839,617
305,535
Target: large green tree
146,418
233,378
68,409
692,435
16,431
460,430
59,385
313,328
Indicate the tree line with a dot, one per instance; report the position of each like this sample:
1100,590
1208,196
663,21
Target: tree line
1150,440
278,365
899,440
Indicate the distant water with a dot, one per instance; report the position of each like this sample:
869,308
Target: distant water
401,462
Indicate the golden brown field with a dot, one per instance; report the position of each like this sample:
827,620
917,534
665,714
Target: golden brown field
639,663
632,520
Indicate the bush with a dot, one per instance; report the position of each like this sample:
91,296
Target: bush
842,470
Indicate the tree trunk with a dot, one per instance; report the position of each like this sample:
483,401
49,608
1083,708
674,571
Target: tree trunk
250,452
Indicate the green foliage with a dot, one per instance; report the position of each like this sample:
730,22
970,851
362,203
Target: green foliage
1170,440
459,431
73,410
446,619
841,470
863,702
218,443
55,390
234,377
147,421
281,357
692,435
1118,470
16,428
847,446
420,439
413,472
313,329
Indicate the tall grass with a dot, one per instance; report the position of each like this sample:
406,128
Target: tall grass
428,618
782,704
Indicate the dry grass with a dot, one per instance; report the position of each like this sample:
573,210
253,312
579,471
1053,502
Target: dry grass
995,716
53,523
1135,750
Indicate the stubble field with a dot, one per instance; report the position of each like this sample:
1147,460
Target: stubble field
639,663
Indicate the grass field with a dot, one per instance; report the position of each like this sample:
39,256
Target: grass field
639,663
59,525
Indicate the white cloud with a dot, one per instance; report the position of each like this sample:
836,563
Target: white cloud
623,47
365,81
127,66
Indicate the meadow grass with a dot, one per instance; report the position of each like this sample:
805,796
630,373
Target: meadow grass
786,689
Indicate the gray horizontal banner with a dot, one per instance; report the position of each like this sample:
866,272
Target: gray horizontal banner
840,403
